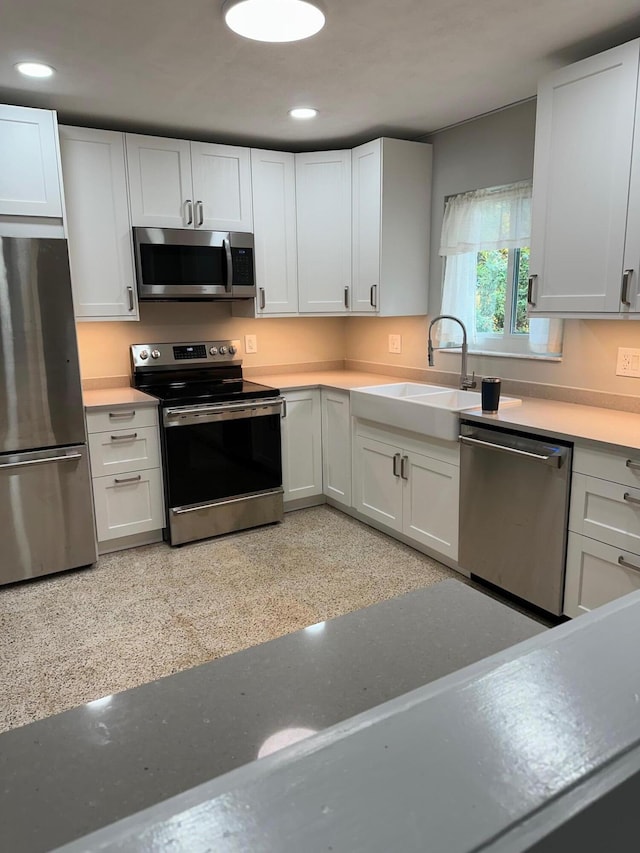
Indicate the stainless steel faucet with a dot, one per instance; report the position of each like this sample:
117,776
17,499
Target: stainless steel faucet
466,382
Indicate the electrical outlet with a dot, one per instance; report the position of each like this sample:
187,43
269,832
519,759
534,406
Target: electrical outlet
395,343
250,343
628,362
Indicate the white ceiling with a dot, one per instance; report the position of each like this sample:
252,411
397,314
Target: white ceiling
379,67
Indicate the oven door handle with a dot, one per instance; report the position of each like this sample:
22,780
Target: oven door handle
248,408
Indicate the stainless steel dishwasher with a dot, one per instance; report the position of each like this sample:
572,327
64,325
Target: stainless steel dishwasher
514,503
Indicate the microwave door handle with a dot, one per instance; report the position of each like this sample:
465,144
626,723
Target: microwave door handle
227,249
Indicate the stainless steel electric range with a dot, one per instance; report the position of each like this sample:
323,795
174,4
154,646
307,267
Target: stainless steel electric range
220,438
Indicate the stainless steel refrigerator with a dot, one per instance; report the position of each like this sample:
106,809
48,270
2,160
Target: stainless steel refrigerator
46,507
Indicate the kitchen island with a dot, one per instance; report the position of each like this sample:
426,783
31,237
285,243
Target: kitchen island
75,772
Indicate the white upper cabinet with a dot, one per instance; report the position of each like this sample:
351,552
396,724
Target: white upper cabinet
175,183
29,174
323,201
221,187
581,199
100,245
273,180
391,226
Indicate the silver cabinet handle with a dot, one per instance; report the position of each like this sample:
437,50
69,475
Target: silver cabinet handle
70,457
346,298
530,299
630,498
121,481
396,460
624,293
200,209
129,437
189,208
627,564
373,296
284,408
631,464
227,250
263,299
403,468
128,414
130,297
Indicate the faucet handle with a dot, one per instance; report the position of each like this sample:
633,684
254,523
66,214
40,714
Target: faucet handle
470,382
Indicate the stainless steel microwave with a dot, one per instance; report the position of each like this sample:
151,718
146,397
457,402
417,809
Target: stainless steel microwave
172,263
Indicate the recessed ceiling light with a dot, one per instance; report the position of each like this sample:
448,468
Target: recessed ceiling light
273,20
34,69
303,112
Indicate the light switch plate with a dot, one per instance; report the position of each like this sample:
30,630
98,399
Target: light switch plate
628,362
395,343
250,343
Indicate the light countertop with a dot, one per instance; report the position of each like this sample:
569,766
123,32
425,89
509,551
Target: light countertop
342,380
117,397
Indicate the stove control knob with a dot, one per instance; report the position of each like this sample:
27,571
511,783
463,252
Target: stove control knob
144,354
213,351
223,350
232,350
155,353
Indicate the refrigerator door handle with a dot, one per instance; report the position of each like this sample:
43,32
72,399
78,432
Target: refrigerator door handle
5,465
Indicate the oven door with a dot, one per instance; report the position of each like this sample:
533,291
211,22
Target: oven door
172,263
223,467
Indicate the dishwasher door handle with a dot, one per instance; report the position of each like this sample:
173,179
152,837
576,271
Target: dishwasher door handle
553,459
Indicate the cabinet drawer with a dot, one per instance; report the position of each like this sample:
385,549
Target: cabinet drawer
121,450
608,512
619,466
121,418
595,575
129,504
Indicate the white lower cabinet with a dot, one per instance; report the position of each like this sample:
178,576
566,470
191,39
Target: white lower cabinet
603,552
409,485
336,445
127,476
302,445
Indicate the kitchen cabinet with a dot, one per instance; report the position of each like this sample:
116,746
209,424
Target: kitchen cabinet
273,181
323,215
302,447
336,445
391,226
97,208
409,485
603,554
127,476
174,183
29,163
585,233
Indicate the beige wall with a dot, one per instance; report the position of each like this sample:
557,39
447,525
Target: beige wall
104,347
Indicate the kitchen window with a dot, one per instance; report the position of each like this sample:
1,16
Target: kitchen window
485,244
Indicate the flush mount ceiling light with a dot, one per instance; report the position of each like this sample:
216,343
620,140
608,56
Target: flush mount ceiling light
34,69
273,20
303,112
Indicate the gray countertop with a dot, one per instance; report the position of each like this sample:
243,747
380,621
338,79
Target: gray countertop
75,772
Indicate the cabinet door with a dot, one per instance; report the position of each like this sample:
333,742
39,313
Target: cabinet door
430,503
609,512
597,573
128,504
302,445
584,136
222,187
273,179
123,450
367,213
29,176
336,445
160,185
100,246
323,202
377,486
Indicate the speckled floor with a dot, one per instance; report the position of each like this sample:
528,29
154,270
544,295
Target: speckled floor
149,612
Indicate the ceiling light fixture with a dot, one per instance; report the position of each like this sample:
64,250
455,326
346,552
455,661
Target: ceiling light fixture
273,20
34,69
303,112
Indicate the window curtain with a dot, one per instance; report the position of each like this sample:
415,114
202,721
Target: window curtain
494,218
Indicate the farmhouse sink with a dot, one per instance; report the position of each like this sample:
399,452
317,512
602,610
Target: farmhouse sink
430,410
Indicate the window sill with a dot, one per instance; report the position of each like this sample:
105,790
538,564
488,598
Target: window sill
528,356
